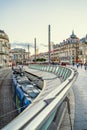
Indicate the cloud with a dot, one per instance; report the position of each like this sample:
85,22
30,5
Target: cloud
21,45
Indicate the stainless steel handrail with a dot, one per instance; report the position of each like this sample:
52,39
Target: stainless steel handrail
34,116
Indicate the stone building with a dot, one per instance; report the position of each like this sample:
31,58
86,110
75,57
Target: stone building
71,51
83,49
4,49
68,50
18,55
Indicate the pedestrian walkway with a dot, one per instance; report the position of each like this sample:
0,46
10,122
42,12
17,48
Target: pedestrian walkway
80,91
79,108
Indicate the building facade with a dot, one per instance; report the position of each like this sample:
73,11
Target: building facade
71,51
4,49
83,49
68,50
18,56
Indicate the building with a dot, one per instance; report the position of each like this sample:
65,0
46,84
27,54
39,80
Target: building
4,49
68,50
18,56
83,49
71,51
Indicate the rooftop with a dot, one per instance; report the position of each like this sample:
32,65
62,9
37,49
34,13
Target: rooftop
3,35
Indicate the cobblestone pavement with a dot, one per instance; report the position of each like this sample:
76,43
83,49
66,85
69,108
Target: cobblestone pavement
6,101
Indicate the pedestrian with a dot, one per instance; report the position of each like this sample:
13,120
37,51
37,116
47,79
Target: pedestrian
73,63
81,65
12,66
85,66
77,65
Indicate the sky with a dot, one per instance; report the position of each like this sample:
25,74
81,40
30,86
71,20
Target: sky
25,20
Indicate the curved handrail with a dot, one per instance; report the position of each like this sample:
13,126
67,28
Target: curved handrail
42,111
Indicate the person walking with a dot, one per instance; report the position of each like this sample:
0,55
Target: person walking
81,65
85,66
77,65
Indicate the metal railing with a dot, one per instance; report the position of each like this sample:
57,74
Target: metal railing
40,114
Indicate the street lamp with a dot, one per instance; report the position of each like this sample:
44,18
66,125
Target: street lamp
28,52
35,48
49,44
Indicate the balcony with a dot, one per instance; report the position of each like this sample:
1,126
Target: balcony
4,37
2,52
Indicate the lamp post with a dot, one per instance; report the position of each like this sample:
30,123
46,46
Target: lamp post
35,47
28,52
49,44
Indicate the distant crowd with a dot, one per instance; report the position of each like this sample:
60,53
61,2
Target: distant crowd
81,65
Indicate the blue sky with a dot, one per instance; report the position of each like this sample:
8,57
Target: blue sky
23,20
